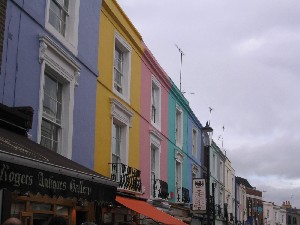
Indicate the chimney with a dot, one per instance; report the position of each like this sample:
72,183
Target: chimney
16,119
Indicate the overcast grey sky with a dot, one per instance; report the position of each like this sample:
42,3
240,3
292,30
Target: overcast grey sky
242,59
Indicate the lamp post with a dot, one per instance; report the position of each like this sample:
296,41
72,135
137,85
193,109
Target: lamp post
207,139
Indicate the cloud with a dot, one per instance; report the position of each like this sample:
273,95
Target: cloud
242,59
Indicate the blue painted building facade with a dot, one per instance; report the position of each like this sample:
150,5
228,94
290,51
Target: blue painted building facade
184,152
49,62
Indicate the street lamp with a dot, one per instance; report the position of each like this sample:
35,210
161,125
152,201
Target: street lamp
207,140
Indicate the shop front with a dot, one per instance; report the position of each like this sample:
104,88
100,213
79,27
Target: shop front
36,183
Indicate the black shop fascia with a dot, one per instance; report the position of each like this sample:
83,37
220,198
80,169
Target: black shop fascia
27,167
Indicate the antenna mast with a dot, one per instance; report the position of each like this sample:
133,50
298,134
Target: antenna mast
181,56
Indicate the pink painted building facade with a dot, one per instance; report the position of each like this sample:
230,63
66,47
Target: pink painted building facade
155,85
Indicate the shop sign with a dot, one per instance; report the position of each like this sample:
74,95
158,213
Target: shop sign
22,178
199,194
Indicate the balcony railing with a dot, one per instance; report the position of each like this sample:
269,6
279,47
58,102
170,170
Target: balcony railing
183,195
219,211
160,189
129,178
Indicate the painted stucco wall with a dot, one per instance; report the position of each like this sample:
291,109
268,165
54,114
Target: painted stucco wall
21,70
151,68
85,93
19,82
175,98
113,19
191,159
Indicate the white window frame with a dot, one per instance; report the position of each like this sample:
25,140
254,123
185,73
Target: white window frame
126,49
179,126
70,39
214,164
178,176
195,142
155,143
221,171
155,85
123,117
121,137
67,71
48,118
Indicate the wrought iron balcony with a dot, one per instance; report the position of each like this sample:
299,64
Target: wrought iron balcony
160,189
219,211
129,178
183,195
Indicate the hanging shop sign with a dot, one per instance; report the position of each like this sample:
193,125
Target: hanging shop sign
23,178
199,194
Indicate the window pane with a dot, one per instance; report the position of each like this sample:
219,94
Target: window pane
54,15
62,210
64,3
49,97
49,135
115,159
41,206
116,139
59,103
16,208
154,103
118,70
52,99
152,159
153,112
118,77
58,15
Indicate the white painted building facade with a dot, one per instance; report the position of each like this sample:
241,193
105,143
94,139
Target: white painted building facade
230,190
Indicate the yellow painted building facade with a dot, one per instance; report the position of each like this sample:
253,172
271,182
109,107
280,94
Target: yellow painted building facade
118,90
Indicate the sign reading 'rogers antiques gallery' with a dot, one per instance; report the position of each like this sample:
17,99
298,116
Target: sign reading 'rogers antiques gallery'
22,178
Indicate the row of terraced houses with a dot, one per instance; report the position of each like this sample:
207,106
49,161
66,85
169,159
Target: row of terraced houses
93,129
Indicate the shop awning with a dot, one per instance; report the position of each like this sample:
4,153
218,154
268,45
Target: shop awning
148,210
28,166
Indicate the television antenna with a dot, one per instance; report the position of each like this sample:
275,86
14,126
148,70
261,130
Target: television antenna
181,56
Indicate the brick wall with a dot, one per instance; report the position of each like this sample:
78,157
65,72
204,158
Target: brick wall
3,4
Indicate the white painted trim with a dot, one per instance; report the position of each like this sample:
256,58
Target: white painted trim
157,134
195,169
197,133
179,157
121,112
179,143
179,160
127,50
156,142
122,115
67,71
49,48
157,125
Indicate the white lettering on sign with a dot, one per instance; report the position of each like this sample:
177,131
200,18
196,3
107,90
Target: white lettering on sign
16,179
51,183
10,176
79,188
